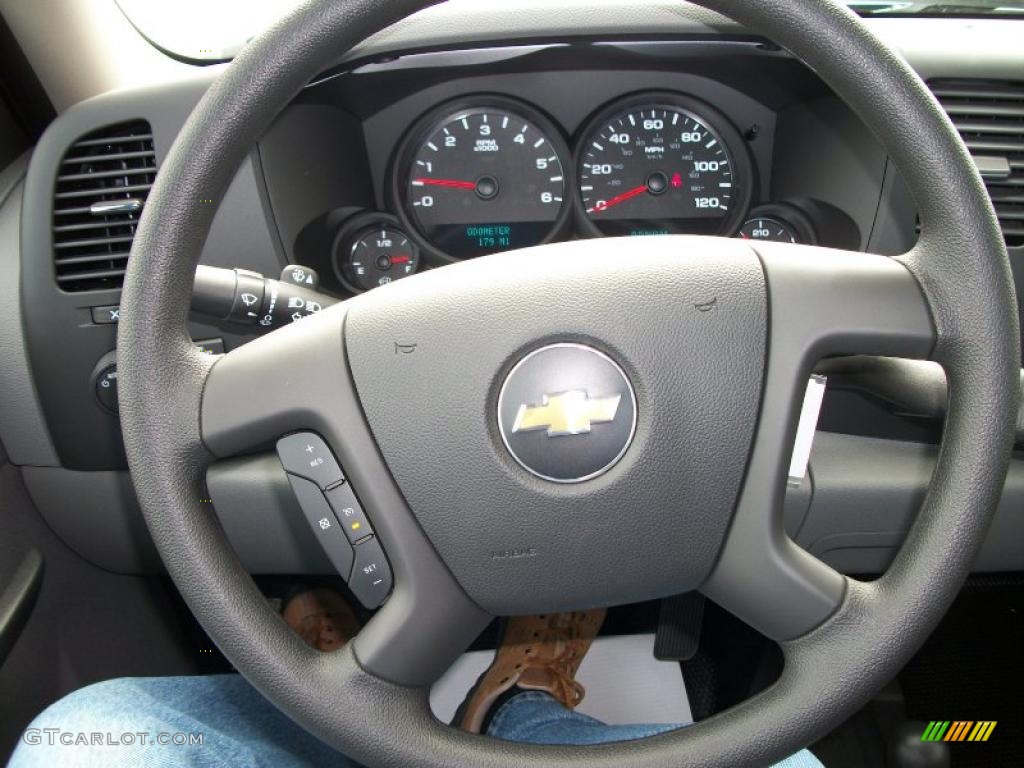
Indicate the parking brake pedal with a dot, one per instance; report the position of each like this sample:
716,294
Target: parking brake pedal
679,622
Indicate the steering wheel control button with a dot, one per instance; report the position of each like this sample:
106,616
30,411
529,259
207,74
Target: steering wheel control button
567,413
324,524
371,574
349,513
306,454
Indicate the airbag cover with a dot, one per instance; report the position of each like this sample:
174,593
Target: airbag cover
684,318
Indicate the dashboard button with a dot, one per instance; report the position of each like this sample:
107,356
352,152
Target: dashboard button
306,454
324,524
210,346
371,574
106,388
351,516
106,315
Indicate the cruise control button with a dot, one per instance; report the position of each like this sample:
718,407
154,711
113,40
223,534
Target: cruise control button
371,574
307,455
324,524
351,516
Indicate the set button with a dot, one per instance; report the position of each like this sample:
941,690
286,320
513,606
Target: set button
371,574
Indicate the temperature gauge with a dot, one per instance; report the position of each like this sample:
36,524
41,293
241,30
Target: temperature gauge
376,255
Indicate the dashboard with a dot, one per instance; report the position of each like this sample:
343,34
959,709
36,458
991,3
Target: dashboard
486,173
458,134
457,155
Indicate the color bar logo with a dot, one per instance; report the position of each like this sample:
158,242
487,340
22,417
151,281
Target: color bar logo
958,730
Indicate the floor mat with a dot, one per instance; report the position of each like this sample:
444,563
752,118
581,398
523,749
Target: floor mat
972,668
624,682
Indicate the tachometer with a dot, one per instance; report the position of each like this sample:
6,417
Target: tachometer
661,164
482,178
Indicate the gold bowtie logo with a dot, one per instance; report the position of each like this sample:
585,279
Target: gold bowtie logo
567,413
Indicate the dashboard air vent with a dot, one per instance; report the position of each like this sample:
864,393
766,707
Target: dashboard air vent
989,114
101,187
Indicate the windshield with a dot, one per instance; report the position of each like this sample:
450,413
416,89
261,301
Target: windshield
227,25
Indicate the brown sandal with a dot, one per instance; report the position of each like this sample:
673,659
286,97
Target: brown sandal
322,618
537,653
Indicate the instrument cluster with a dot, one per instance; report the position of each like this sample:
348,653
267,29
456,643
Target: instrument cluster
489,173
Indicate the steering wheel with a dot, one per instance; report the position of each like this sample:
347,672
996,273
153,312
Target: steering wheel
713,340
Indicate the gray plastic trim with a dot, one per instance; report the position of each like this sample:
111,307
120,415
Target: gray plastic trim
22,425
846,150
867,494
893,230
250,495
262,519
96,514
956,47
62,343
17,599
864,495
935,47
911,387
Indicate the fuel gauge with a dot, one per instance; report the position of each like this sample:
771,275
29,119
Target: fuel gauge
377,255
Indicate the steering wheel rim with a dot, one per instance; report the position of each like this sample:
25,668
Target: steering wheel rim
177,415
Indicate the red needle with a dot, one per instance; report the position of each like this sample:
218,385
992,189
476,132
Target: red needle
399,259
619,199
445,183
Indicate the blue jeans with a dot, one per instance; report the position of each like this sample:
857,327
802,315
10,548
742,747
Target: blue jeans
121,724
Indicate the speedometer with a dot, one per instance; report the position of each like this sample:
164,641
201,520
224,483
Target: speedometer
662,164
483,177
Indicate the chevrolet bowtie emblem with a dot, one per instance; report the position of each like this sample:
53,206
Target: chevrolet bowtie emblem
567,413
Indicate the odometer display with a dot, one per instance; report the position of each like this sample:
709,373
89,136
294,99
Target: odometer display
484,179
658,167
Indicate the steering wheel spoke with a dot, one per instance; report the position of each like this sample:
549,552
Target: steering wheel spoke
827,302
279,383
296,380
822,302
